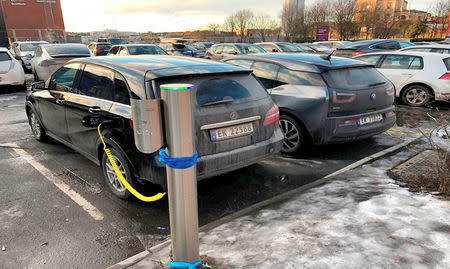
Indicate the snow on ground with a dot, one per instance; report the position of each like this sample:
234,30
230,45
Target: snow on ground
361,219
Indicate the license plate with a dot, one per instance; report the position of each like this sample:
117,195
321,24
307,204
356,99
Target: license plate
231,132
370,119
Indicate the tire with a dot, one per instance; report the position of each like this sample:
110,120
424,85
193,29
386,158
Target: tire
36,127
294,135
416,95
111,178
22,87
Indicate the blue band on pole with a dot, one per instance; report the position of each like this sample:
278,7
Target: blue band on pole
177,163
182,265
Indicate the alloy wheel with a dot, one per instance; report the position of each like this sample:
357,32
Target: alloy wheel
35,125
417,96
291,135
112,177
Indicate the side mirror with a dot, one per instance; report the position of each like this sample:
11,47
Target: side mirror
37,86
275,50
235,53
17,57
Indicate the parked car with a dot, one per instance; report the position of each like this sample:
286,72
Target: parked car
333,44
280,47
323,100
226,98
99,48
50,57
437,48
25,50
11,71
219,51
181,50
113,41
369,46
317,49
136,49
203,46
419,77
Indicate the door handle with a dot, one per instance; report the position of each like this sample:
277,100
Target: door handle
94,109
60,101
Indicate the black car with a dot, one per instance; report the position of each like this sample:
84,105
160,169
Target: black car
99,48
367,46
227,99
323,100
136,49
180,49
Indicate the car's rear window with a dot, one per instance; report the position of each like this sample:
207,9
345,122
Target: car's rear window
4,57
447,63
29,46
353,78
67,50
104,46
216,88
141,50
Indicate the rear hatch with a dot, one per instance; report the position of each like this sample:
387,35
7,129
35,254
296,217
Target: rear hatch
5,62
358,90
351,49
228,100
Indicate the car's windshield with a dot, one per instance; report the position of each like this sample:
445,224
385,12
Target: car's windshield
288,47
55,50
29,46
305,48
104,46
353,78
117,41
249,49
321,48
146,50
179,46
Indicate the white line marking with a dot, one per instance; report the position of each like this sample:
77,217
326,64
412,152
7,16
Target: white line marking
76,197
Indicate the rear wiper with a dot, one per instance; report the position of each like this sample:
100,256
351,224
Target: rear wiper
224,101
377,84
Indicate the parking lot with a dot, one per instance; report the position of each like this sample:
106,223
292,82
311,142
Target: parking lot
58,209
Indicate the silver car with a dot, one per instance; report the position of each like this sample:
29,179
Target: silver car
25,51
435,48
50,57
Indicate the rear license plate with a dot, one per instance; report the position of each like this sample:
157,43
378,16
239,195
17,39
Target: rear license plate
370,119
231,132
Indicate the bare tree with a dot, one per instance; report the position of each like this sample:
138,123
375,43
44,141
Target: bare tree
230,24
243,21
440,10
213,27
292,21
319,13
342,14
264,26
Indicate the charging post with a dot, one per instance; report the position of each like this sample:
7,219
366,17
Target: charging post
181,181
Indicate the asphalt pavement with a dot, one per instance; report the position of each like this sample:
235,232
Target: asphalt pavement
56,210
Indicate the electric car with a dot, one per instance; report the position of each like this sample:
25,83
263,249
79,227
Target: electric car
236,121
11,71
323,100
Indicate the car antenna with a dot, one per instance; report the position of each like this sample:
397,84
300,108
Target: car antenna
327,57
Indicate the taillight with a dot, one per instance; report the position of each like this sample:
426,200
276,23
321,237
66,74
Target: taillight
272,116
357,53
390,91
334,53
131,124
445,76
348,122
98,49
343,98
389,114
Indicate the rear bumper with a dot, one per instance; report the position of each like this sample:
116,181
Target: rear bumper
443,94
338,133
220,163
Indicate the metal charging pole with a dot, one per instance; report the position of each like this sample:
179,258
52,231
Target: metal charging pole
181,183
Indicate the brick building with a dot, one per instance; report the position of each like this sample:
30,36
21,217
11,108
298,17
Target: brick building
22,20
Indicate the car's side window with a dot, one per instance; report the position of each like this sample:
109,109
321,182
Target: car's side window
266,73
62,80
242,63
97,82
229,49
371,59
121,93
218,49
38,51
286,76
388,45
123,51
405,44
113,50
268,48
401,62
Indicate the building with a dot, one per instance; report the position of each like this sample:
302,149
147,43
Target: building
22,20
298,6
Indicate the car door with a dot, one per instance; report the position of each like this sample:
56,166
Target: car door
52,100
217,52
399,68
93,98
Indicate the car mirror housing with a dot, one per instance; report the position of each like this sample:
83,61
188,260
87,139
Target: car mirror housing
37,86
17,57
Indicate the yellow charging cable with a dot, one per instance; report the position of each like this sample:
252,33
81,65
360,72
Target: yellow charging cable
122,178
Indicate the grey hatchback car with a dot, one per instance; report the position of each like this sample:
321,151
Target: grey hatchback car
323,100
236,122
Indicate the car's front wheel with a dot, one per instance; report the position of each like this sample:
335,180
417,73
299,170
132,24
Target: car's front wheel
112,180
416,95
36,127
294,137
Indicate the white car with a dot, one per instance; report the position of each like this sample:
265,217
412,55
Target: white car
25,50
49,57
419,77
11,71
435,48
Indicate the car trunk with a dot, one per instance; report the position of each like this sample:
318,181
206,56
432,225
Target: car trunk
228,100
5,62
358,90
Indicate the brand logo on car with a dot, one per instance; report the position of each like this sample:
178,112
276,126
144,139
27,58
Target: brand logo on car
373,96
234,115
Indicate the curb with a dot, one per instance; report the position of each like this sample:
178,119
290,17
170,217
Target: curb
279,198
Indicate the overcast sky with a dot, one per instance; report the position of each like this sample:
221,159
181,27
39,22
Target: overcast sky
164,15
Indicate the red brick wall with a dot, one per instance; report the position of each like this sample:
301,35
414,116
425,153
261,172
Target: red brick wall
27,17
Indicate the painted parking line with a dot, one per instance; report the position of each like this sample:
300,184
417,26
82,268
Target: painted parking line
76,197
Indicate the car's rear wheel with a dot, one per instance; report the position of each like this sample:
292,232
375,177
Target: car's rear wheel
294,137
416,95
112,180
36,127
